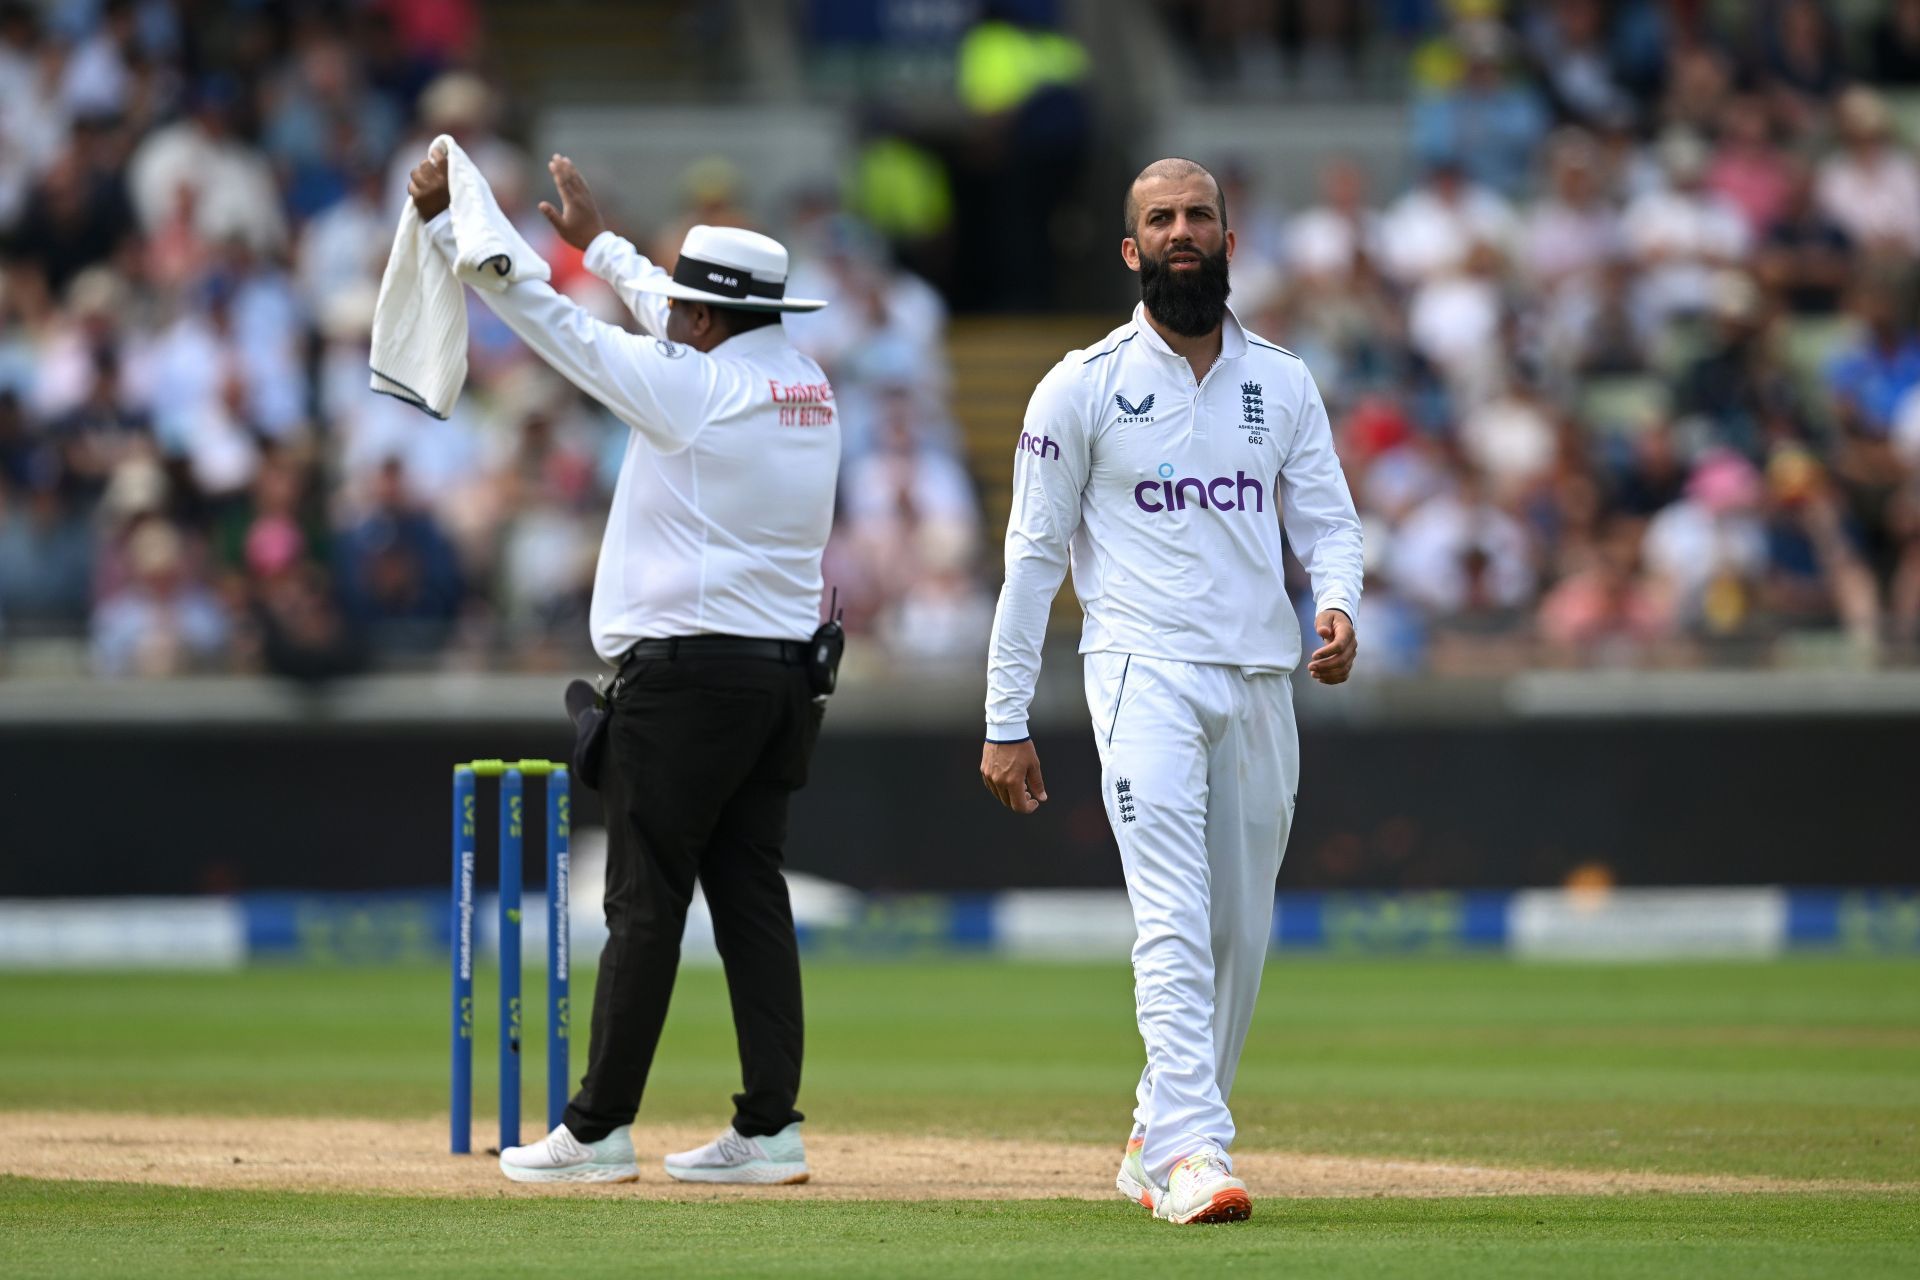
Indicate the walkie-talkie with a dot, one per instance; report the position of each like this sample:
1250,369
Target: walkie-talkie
825,649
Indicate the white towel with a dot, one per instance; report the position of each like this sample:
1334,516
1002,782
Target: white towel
420,321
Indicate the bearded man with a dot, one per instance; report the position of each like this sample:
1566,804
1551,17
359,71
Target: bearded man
1164,462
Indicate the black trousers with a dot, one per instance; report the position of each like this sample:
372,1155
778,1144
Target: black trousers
703,754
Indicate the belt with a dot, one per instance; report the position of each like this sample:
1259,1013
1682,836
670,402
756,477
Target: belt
791,652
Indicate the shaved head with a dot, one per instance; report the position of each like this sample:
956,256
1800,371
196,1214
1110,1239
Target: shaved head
1173,168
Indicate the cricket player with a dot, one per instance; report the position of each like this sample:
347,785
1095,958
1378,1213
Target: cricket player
1164,461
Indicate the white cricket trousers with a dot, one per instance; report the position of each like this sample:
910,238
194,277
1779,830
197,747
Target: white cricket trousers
1199,765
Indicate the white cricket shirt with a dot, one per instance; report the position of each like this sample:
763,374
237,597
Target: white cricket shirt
1169,496
725,496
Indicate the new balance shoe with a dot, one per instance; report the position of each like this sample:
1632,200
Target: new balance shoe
561,1157
1132,1180
732,1157
1200,1189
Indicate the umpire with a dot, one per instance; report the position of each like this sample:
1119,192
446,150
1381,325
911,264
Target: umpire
706,598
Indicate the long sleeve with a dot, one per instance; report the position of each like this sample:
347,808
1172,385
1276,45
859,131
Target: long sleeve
1318,513
1049,476
615,260
661,389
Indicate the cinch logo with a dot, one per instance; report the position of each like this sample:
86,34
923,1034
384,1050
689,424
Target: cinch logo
1040,446
1222,493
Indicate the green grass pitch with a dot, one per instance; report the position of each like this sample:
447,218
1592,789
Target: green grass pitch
1804,1069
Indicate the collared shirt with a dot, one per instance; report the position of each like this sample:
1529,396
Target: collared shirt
725,496
1169,496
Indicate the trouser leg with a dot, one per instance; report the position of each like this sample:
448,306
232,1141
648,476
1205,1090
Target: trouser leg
1250,787
676,754
1153,753
753,927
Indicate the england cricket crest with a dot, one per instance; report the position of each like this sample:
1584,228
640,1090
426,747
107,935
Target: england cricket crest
1253,412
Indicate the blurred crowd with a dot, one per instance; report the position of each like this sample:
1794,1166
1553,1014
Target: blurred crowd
1629,373
196,204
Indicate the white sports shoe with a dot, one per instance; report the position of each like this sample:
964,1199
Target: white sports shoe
1132,1182
1200,1189
777,1158
561,1157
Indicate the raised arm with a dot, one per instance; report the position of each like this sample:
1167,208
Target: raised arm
609,256
663,390
1050,473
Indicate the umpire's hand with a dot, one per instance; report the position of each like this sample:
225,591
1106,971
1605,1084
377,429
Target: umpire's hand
1011,771
427,184
578,219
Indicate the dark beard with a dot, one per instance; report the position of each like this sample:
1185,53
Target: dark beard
1189,303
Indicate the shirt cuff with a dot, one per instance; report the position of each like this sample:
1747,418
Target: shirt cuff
439,230
1337,602
1007,731
605,247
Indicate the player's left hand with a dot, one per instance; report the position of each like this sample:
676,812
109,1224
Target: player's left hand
1332,662
427,184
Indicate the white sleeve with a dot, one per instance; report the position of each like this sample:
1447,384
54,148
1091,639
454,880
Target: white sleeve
662,390
1317,510
615,260
1049,474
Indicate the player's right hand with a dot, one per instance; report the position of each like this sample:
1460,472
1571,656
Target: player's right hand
1011,771
578,218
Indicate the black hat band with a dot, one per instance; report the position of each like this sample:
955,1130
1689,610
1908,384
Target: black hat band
730,282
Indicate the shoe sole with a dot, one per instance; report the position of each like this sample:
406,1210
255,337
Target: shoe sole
578,1173
1230,1205
752,1175
1129,1189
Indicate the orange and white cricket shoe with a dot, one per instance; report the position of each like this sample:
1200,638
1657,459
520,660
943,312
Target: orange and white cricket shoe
1202,1189
1132,1181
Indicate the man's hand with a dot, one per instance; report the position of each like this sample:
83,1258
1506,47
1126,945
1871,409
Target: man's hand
578,219
428,186
1332,662
1011,771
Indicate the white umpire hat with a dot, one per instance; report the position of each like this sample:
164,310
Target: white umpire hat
729,267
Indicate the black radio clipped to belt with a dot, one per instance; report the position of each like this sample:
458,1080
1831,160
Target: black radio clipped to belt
824,650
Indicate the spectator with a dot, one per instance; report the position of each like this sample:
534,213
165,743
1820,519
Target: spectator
910,506
1800,59
1680,237
1816,575
163,621
73,220
1869,187
234,198
1748,170
1570,233
1869,378
1568,41
1458,551
1325,241
1490,123
1709,550
399,577
1606,612
1806,259
33,120
1737,386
